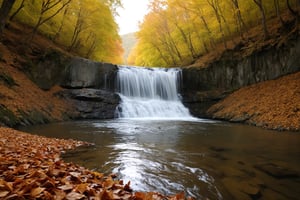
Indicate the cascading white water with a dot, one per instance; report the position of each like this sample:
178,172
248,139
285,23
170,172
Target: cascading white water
150,93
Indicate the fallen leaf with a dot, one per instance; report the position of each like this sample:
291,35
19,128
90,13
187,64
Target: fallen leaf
66,187
59,194
35,192
74,195
81,188
4,193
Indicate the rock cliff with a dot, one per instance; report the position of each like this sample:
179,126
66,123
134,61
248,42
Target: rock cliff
203,87
89,86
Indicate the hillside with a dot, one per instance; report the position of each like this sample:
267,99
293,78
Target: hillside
273,104
22,101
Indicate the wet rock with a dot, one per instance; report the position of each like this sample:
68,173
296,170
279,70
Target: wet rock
277,171
93,103
233,187
245,189
252,190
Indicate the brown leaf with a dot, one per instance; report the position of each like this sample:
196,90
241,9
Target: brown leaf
127,187
3,193
139,195
59,194
81,188
66,187
35,192
74,196
180,196
6,185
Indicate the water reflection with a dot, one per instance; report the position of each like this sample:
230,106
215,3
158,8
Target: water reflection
204,158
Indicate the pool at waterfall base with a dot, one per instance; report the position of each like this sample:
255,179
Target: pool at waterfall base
205,159
158,146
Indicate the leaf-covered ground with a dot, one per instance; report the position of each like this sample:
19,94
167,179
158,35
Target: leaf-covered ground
273,104
31,168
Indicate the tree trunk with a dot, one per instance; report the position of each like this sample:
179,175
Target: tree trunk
240,22
17,11
4,12
57,34
213,4
46,6
277,9
263,18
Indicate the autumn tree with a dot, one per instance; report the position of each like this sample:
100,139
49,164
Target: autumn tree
239,19
4,13
20,7
277,9
263,17
62,23
215,7
49,9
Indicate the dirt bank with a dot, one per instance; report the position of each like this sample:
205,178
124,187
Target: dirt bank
272,104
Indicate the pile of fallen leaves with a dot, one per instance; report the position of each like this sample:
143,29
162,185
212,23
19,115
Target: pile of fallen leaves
273,104
31,168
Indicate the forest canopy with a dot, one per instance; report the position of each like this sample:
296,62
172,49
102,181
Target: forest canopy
175,32
85,27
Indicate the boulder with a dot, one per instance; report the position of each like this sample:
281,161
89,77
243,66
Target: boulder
277,171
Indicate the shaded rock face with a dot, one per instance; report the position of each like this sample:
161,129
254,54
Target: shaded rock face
89,85
92,103
48,70
83,73
203,87
90,88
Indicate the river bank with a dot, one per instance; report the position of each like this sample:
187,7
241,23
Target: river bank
273,104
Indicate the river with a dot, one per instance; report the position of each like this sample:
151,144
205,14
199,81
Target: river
203,158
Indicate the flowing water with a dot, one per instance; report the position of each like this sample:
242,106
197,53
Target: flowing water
158,146
150,93
206,159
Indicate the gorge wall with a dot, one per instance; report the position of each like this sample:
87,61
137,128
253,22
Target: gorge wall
203,87
90,86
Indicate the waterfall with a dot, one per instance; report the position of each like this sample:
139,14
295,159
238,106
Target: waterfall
150,93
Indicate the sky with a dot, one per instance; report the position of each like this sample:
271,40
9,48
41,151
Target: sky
130,16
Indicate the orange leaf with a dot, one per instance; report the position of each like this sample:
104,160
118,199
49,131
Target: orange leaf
35,192
4,193
81,188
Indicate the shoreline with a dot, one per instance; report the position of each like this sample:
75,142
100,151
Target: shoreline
31,167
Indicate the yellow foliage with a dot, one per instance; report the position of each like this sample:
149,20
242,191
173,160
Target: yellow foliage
86,27
175,32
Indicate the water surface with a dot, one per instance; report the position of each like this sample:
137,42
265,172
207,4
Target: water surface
206,159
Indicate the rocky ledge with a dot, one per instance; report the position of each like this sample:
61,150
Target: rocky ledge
92,103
